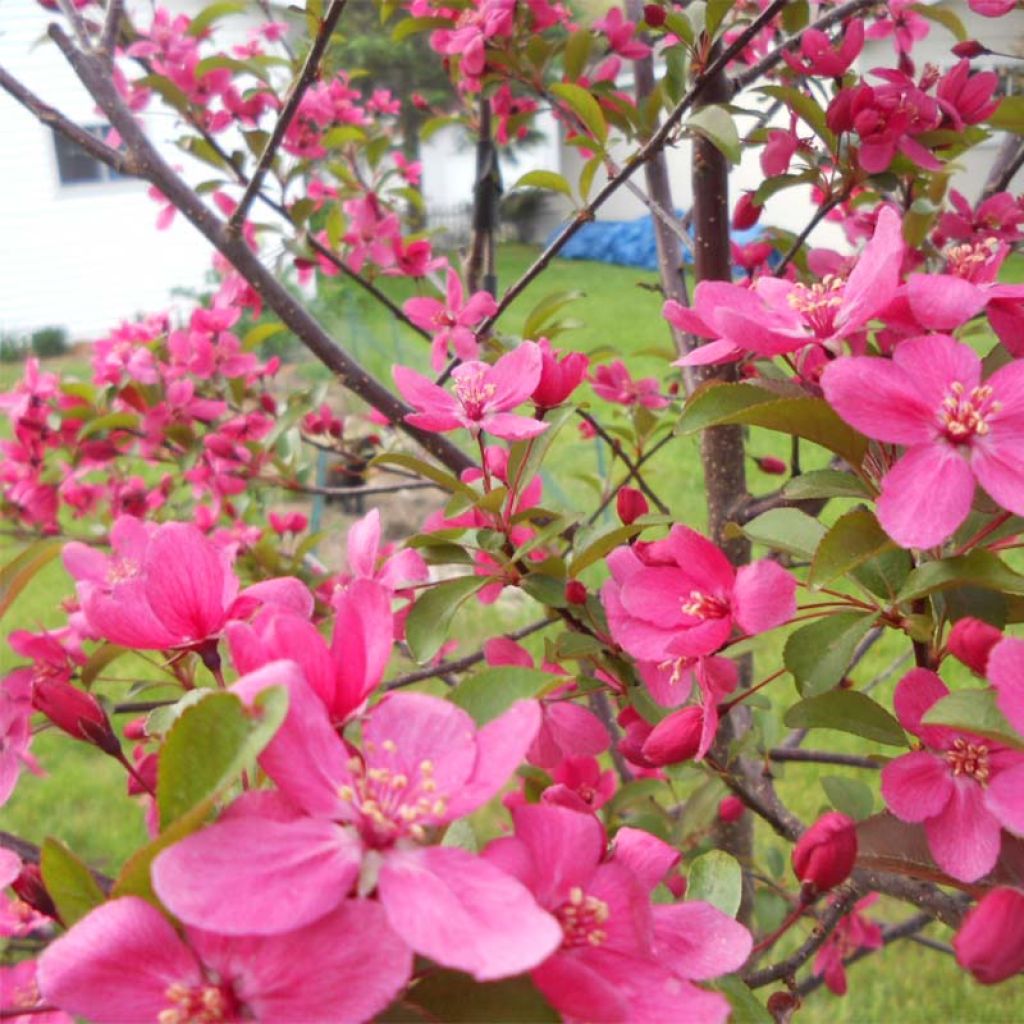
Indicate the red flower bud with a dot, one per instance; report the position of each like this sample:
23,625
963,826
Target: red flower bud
676,738
970,48
560,375
654,15
631,505
136,729
971,641
730,809
825,854
31,889
75,712
575,592
770,464
746,212
990,943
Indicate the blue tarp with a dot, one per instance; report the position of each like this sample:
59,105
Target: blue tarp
629,243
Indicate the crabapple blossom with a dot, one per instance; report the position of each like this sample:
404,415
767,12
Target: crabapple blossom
825,854
990,942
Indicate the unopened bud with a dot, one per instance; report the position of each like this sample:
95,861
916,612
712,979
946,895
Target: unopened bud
772,465
782,1006
971,641
654,15
575,592
631,505
970,48
730,809
825,854
990,943
136,729
75,712
746,212
30,888
676,738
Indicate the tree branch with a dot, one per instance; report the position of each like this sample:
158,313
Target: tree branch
823,757
288,111
153,167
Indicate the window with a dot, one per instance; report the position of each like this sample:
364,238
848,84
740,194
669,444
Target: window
77,167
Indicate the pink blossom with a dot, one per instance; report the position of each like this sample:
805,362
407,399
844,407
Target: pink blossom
451,322
967,99
620,32
680,598
818,56
904,24
999,216
613,383
125,962
778,152
368,560
621,958
580,785
19,990
853,932
344,816
930,398
964,788
1004,668
990,942
560,375
15,730
482,396
992,8
776,316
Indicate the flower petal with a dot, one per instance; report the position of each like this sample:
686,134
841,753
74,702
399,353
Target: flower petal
965,837
917,786
1006,673
697,941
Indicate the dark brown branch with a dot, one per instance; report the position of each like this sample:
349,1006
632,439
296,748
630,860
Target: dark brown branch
1007,163
111,27
949,909
754,788
291,105
763,66
819,215
839,908
43,112
460,664
823,757
653,145
153,167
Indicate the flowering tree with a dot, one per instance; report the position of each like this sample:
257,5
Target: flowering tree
310,787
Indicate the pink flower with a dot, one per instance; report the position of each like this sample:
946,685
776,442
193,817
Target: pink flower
125,962
167,586
451,322
992,8
613,383
367,560
1004,668
853,932
344,818
819,57
560,375
971,641
777,315
778,152
580,785
19,990
990,942
825,854
964,788
929,397
621,958
15,730
904,25
482,396
680,598
620,31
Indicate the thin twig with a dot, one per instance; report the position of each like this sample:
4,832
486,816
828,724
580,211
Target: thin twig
111,26
460,664
288,111
631,475
822,757
820,214
350,492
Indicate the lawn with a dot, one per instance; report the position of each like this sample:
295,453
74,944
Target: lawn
81,798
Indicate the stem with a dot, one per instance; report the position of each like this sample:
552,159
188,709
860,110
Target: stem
823,757
985,531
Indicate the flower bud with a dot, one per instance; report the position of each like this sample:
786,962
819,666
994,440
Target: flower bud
136,729
825,854
75,712
730,809
630,505
746,212
676,738
30,888
970,48
575,592
654,15
772,465
560,375
990,943
971,641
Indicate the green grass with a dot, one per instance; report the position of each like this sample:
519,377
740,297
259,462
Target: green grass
81,800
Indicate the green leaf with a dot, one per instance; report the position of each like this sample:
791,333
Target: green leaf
1009,115
458,999
18,572
779,183
746,1007
260,333
342,135
715,13
854,539
208,15
944,15
804,107
525,457
978,568
489,693
824,483
716,878
796,15
577,50
112,421
786,529
412,26
811,418
545,310
547,180
586,178
849,796
99,660
715,124
584,106
545,589
974,711
452,484
427,627
819,654
69,882
600,546
847,711
210,745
